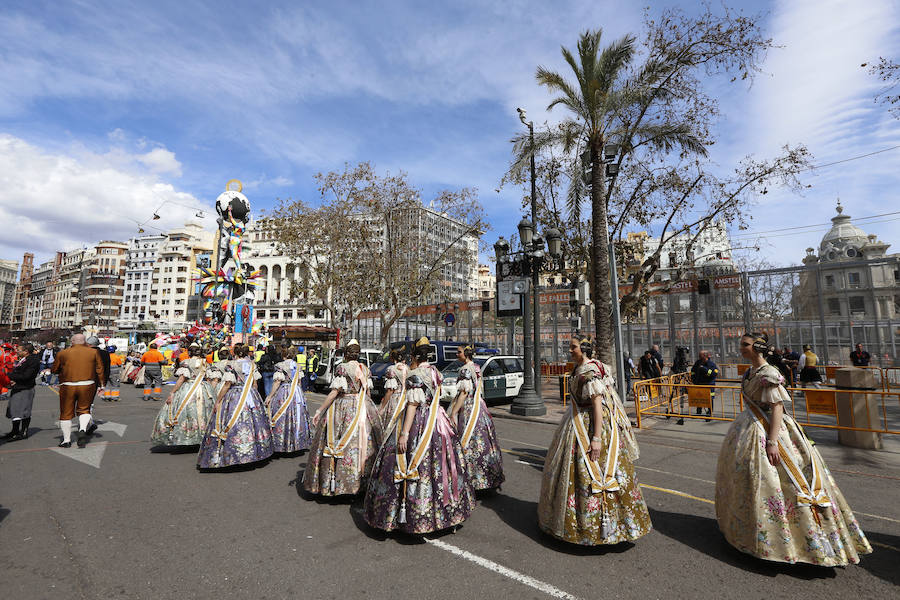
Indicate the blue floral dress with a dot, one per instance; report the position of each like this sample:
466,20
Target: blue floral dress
183,421
289,415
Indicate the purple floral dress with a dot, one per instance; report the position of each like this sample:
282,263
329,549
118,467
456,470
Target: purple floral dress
481,448
290,424
237,434
341,469
394,380
435,495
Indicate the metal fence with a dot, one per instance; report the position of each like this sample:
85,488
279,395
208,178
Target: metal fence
830,307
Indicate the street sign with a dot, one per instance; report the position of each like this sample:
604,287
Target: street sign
509,303
449,319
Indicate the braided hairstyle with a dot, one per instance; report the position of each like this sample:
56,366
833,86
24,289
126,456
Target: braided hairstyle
469,352
351,352
760,342
396,355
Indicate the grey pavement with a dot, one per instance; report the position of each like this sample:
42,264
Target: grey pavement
149,525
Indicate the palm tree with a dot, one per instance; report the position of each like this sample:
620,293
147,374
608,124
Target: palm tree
608,101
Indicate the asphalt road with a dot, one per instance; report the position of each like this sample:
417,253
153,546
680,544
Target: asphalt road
123,522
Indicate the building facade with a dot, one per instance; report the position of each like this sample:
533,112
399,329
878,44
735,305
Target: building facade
9,271
17,323
103,285
140,261
173,275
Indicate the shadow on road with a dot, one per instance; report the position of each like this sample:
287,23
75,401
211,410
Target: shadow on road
702,534
4,512
521,515
175,449
882,563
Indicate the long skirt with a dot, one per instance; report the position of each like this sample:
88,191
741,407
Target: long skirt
810,375
570,510
441,497
188,428
248,441
291,432
756,503
483,451
342,475
20,403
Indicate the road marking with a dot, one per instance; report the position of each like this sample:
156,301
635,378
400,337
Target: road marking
888,546
675,474
91,454
505,571
675,493
856,512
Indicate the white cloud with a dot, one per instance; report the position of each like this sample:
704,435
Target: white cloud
61,200
160,160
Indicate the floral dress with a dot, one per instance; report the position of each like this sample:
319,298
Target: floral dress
347,437
288,412
426,488
394,380
476,431
583,501
622,420
790,513
239,432
183,422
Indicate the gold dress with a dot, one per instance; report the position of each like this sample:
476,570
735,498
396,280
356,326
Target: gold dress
583,501
790,513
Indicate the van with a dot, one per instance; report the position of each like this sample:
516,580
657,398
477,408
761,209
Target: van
325,372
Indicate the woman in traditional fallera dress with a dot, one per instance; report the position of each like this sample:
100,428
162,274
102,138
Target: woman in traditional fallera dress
183,418
469,413
393,387
589,492
238,431
621,417
348,432
287,406
775,498
420,479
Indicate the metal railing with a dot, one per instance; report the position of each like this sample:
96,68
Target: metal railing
875,411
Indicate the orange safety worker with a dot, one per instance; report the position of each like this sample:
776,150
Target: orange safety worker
152,360
111,392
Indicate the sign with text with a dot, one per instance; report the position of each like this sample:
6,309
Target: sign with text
699,397
821,402
723,282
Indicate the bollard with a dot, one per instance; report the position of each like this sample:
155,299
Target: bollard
851,408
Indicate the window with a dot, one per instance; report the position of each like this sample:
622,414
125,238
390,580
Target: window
857,305
829,282
853,281
834,307
493,369
512,365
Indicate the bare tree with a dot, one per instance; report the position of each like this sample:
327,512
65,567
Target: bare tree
887,71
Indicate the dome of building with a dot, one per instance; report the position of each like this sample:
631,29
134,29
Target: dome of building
844,240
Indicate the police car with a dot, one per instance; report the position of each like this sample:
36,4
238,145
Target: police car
503,376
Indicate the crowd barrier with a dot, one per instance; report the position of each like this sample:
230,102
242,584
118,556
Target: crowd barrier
888,377
875,410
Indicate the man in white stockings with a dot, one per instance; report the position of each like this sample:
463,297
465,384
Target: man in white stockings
79,369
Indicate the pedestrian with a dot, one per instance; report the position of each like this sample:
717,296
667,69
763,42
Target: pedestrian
650,368
22,378
152,361
48,355
286,404
115,374
859,357
658,356
630,372
589,491
394,381
809,374
704,372
94,343
348,432
8,359
266,366
469,414
792,360
420,482
183,419
79,369
312,366
301,360
238,431
775,498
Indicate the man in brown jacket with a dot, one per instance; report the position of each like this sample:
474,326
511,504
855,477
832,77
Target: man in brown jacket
79,368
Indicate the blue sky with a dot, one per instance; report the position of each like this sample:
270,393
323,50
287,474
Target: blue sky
108,110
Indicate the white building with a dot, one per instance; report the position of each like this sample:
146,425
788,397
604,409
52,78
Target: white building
487,282
174,273
65,295
140,261
9,270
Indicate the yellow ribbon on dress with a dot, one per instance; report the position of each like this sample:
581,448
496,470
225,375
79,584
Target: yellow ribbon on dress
806,495
473,418
605,481
398,410
222,432
288,400
173,417
410,472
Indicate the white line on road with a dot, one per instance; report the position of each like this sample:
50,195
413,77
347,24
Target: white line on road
506,572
